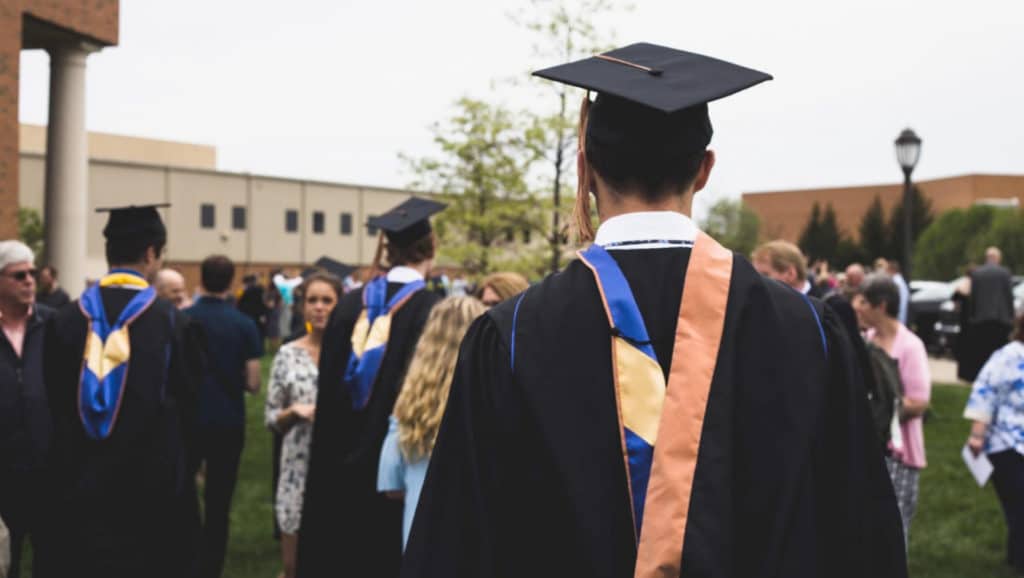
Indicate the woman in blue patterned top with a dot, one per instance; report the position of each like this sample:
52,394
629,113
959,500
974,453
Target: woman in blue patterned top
996,406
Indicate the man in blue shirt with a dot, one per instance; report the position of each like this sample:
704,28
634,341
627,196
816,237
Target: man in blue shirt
233,351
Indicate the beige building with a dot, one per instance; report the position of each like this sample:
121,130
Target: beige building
258,221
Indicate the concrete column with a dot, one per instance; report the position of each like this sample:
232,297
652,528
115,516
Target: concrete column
67,167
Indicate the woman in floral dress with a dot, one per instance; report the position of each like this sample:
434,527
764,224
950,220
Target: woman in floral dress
291,404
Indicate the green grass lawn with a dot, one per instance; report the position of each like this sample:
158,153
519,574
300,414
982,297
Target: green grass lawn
252,550
958,531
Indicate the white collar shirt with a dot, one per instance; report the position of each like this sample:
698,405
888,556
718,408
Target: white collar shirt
646,230
403,274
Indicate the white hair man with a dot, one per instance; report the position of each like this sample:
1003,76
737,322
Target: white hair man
24,415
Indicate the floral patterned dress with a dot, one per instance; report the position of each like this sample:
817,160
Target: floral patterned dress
292,380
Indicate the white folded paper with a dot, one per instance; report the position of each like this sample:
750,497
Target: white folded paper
979,465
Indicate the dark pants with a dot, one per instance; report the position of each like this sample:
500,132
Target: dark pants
221,450
22,513
1008,479
976,345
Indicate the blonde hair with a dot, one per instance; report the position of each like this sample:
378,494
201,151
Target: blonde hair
782,255
424,394
506,284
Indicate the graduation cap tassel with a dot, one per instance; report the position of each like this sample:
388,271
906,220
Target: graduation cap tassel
581,212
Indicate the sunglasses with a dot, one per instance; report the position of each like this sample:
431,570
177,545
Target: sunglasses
23,275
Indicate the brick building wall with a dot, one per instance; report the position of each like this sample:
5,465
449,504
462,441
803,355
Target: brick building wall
784,214
36,24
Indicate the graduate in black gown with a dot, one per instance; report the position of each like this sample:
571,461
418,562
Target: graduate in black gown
348,528
657,408
120,376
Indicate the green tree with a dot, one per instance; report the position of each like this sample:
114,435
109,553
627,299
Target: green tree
733,224
949,243
829,236
31,231
874,234
563,31
481,173
809,237
921,216
848,251
1006,232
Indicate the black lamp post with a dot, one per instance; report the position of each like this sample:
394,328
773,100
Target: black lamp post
908,151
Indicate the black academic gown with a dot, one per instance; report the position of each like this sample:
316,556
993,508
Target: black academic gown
348,528
126,505
527,476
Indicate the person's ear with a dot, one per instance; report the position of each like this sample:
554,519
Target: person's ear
704,172
790,275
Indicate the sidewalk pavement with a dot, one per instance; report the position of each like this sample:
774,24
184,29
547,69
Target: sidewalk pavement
943,370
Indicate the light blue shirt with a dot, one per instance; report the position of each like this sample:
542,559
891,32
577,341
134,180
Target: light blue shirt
997,399
394,474
901,284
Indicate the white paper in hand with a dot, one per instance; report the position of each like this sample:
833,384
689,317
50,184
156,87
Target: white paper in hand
979,465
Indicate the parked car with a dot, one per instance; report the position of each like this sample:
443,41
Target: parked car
947,327
926,299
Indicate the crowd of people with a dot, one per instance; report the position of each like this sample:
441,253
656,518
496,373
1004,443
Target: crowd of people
661,403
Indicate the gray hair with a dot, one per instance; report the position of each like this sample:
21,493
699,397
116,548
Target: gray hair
12,252
880,288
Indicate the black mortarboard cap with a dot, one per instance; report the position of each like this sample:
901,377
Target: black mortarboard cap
134,222
336,268
657,77
651,93
408,222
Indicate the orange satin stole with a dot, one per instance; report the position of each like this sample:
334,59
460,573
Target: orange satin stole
698,336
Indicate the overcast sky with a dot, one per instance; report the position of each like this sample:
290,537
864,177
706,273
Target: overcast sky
335,89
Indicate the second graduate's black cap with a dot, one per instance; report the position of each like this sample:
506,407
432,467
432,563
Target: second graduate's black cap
134,221
336,268
408,222
647,91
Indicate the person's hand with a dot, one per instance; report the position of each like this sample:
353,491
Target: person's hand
976,443
304,411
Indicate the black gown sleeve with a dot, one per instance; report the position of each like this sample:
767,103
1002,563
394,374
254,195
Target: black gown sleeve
321,509
454,533
862,533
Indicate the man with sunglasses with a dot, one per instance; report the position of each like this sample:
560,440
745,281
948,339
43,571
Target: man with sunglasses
24,416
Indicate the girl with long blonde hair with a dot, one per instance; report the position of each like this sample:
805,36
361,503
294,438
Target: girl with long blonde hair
420,405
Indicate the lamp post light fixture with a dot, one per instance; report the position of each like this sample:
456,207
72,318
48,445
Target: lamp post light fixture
908,151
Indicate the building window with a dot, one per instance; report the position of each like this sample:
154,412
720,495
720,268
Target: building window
238,218
346,223
526,236
318,222
206,216
370,229
291,221
510,235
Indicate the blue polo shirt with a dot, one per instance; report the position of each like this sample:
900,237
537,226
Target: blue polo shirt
232,339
